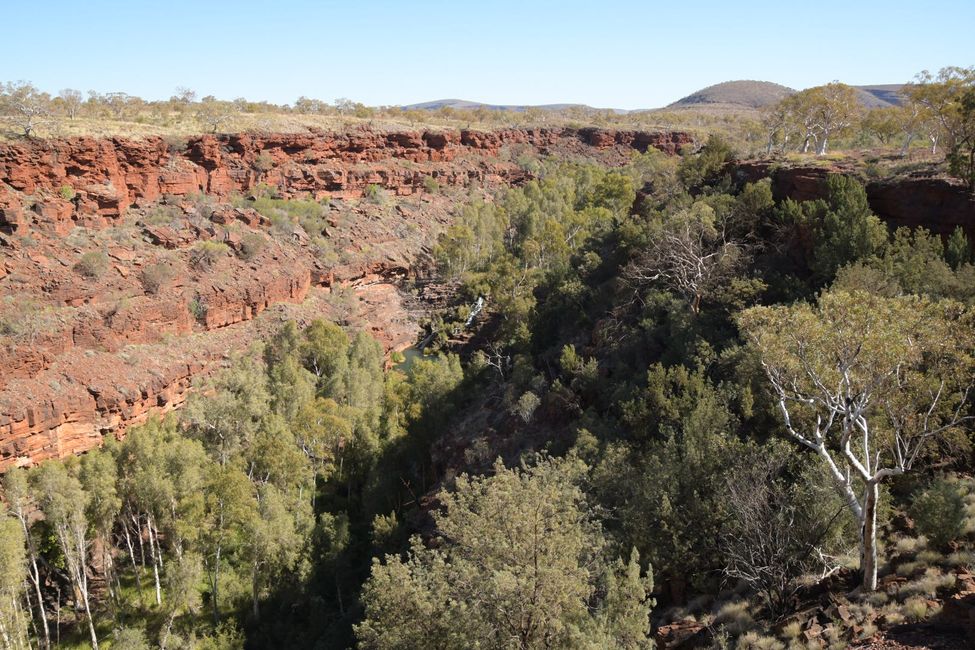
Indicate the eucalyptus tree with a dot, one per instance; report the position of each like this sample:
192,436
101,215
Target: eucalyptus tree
22,504
868,384
13,564
688,252
63,502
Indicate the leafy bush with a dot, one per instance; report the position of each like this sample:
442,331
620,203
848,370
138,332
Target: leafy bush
939,512
155,276
198,308
92,264
67,192
263,163
375,194
24,319
284,214
160,215
207,253
251,245
526,406
431,185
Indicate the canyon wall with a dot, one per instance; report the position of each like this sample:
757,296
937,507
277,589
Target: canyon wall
925,200
103,177
83,356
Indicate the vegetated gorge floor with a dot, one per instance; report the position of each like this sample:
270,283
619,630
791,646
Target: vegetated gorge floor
130,270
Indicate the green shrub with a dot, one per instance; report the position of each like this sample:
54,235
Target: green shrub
202,202
431,185
263,163
155,276
67,192
939,512
198,308
92,264
251,245
375,193
207,253
160,215
915,609
285,213
23,319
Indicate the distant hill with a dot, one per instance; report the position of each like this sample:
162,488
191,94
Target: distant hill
733,96
751,94
881,96
463,104
756,94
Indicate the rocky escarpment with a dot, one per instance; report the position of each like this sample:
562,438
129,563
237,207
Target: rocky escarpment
90,182
937,203
108,315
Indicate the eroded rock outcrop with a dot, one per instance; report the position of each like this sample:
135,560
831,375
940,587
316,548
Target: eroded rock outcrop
91,182
937,203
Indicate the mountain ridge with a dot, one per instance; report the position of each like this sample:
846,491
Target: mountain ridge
740,93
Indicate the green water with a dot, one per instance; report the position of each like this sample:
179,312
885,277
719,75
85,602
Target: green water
410,355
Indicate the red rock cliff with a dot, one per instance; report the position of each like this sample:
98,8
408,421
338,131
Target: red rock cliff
106,177
94,355
936,203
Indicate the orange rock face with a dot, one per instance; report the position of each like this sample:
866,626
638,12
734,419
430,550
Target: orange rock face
87,353
108,176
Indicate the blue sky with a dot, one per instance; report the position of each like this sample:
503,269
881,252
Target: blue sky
608,53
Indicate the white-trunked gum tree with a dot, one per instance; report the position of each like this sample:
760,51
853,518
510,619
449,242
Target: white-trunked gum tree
869,385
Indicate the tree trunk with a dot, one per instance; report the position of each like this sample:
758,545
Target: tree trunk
254,595
907,144
868,537
82,577
135,568
35,577
215,583
167,630
91,623
821,151
155,560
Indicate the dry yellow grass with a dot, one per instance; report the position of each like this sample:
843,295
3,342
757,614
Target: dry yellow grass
734,125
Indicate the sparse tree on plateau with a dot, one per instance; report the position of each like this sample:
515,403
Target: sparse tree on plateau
804,122
948,101
885,124
867,384
344,105
28,105
835,109
183,95
72,100
777,122
942,95
213,113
